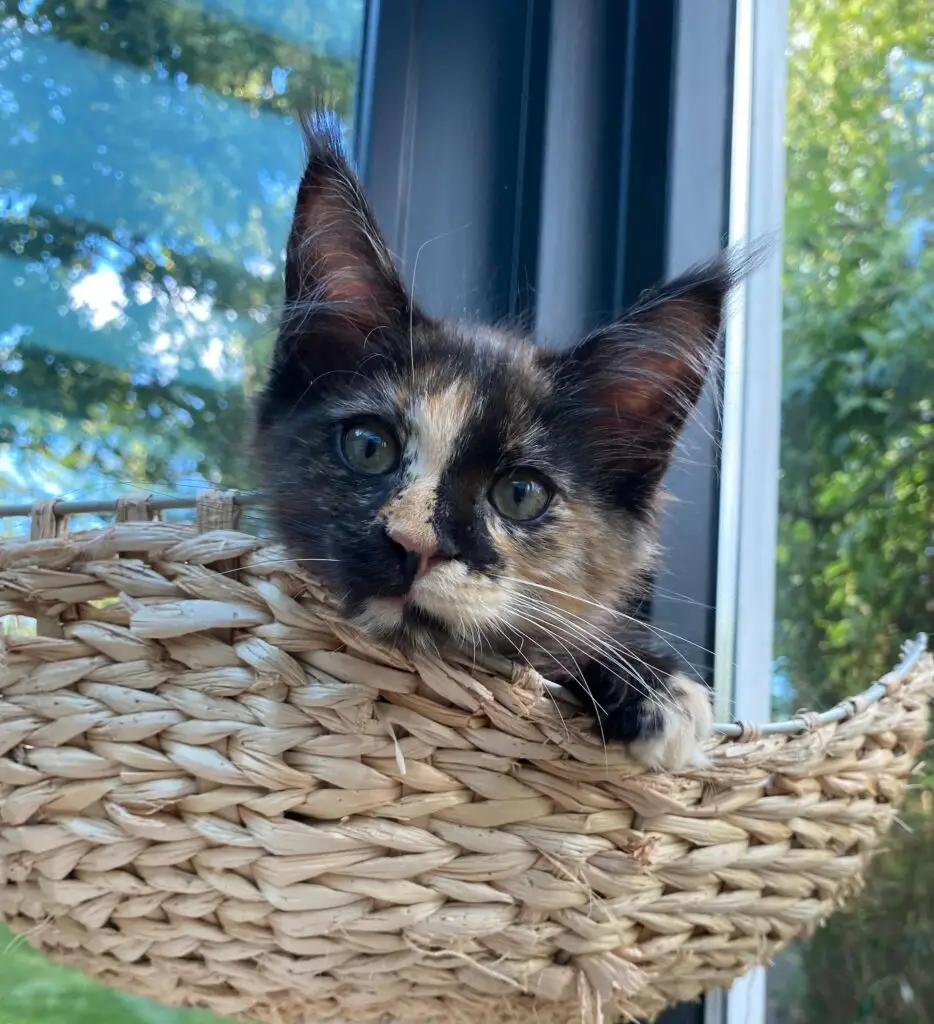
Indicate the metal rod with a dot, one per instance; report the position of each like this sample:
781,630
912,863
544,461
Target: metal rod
74,508
845,709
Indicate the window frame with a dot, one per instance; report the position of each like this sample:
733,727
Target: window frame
683,144
751,432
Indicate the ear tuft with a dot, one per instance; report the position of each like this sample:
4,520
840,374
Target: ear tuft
344,300
336,258
637,380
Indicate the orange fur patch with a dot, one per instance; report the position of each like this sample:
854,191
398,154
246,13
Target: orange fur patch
436,419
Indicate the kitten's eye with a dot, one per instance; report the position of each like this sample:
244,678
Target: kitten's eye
520,494
370,448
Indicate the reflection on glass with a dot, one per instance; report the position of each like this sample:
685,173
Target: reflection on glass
856,551
148,165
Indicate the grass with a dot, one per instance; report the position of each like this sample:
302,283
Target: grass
35,991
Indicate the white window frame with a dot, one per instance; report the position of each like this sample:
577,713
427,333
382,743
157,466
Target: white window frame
748,523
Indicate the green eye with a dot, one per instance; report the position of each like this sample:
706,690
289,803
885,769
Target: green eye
521,495
370,448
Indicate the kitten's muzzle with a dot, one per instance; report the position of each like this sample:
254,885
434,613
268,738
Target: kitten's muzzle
418,557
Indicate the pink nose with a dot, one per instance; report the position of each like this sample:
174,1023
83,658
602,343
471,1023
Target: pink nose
425,550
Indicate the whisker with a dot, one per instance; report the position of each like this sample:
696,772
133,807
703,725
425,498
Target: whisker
548,629
580,674
674,595
551,696
657,630
418,252
598,708
277,561
611,641
604,651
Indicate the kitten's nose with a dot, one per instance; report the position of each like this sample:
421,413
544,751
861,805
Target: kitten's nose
419,554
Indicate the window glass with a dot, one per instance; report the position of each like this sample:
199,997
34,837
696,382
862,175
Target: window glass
148,162
148,168
856,544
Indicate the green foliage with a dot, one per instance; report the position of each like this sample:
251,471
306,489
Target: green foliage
858,429
856,543
36,992
885,948
869,966
228,55
142,430
186,202
47,235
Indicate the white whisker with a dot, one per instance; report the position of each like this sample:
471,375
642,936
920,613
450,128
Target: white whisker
662,634
418,252
550,695
604,650
276,561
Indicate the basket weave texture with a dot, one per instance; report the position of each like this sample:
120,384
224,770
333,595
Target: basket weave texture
214,794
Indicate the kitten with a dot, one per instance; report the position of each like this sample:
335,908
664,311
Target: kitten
463,485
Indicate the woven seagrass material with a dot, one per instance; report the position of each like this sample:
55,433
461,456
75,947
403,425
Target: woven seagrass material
213,793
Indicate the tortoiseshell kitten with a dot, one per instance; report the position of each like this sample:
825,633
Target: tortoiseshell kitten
462,485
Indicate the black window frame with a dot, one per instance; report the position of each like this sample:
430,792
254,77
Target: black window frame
478,124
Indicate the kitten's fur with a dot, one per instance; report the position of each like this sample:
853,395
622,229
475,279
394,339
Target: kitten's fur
468,403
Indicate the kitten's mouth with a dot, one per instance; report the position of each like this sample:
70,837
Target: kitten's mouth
436,602
397,604
416,604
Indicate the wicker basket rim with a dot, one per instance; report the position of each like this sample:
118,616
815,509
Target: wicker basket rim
803,721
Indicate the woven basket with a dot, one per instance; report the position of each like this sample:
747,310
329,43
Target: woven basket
214,794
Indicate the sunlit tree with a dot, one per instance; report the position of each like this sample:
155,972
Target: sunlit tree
856,551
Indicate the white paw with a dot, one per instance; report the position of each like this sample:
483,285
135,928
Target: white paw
687,722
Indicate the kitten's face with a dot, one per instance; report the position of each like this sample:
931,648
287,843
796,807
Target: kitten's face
445,486
460,482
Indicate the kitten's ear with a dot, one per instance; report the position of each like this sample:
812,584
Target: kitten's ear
636,381
342,291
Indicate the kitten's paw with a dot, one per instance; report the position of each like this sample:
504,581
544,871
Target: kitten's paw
674,733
